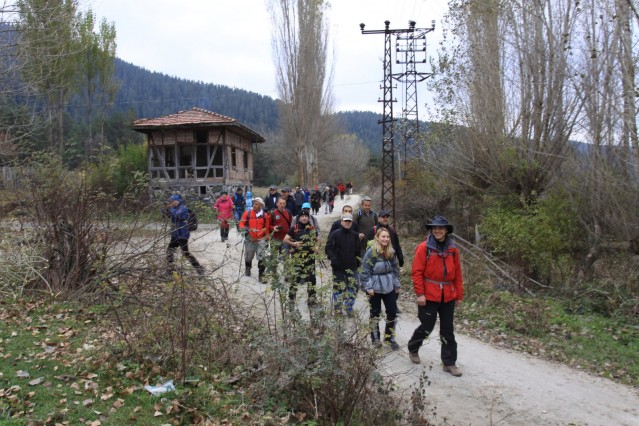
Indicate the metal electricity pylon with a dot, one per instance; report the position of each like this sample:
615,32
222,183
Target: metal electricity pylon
387,121
413,47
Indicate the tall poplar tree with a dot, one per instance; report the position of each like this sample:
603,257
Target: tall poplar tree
300,40
46,29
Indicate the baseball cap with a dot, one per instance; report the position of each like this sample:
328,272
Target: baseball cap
306,205
384,213
348,217
286,189
175,197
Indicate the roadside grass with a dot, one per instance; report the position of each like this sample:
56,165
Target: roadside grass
547,327
57,369
566,331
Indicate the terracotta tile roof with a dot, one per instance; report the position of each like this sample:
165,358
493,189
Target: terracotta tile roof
184,118
195,117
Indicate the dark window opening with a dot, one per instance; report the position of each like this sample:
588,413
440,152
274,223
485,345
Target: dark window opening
202,190
233,157
201,136
169,156
201,156
246,158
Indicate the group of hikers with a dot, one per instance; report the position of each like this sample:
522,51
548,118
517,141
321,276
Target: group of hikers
364,253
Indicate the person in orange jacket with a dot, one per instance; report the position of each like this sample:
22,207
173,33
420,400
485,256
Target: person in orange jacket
255,225
438,285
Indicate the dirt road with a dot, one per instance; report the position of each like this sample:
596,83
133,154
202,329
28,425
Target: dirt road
498,386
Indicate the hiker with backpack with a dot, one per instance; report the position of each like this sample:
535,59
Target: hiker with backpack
346,209
270,201
438,284
303,240
180,217
306,207
342,249
239,202
326,197
281,220
291,204
255,225
365,219
379,278
224,208
383,222
316,200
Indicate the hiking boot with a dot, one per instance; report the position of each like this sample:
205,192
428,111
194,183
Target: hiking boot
393,343
453,369
414,357
247,272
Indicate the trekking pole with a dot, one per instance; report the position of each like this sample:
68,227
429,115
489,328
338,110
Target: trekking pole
239,269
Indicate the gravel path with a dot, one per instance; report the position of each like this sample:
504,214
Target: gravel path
498,386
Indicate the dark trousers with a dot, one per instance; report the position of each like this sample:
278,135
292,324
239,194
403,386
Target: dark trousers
303,274
224,229
183,243
427,315
390,306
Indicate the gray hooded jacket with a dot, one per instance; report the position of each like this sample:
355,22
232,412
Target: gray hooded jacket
379,274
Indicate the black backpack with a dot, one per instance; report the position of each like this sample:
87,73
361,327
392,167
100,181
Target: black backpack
191,220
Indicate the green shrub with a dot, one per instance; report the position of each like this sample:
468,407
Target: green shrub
123,173
541,236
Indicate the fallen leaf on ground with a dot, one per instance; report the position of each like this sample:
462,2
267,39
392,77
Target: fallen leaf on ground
36,382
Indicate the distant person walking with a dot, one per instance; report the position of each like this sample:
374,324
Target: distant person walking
224,208
178,213
239,202
248,205
438,284
326,197
270,201
342,189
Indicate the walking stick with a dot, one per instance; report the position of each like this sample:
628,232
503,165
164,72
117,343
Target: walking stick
239,269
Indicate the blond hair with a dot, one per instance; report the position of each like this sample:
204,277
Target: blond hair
385,252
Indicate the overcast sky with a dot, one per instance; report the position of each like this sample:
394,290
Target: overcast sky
228,42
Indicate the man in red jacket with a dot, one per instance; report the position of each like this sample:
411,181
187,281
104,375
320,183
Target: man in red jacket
255,225
438,285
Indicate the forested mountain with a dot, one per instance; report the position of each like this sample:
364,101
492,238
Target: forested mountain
143,94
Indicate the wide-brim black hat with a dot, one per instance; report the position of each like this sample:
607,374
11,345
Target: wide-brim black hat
440,221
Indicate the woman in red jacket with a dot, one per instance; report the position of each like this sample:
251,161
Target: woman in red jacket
224,208
437,280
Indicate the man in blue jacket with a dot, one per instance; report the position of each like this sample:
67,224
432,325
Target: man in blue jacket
178,213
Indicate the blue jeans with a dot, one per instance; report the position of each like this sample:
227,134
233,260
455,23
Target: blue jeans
344,290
